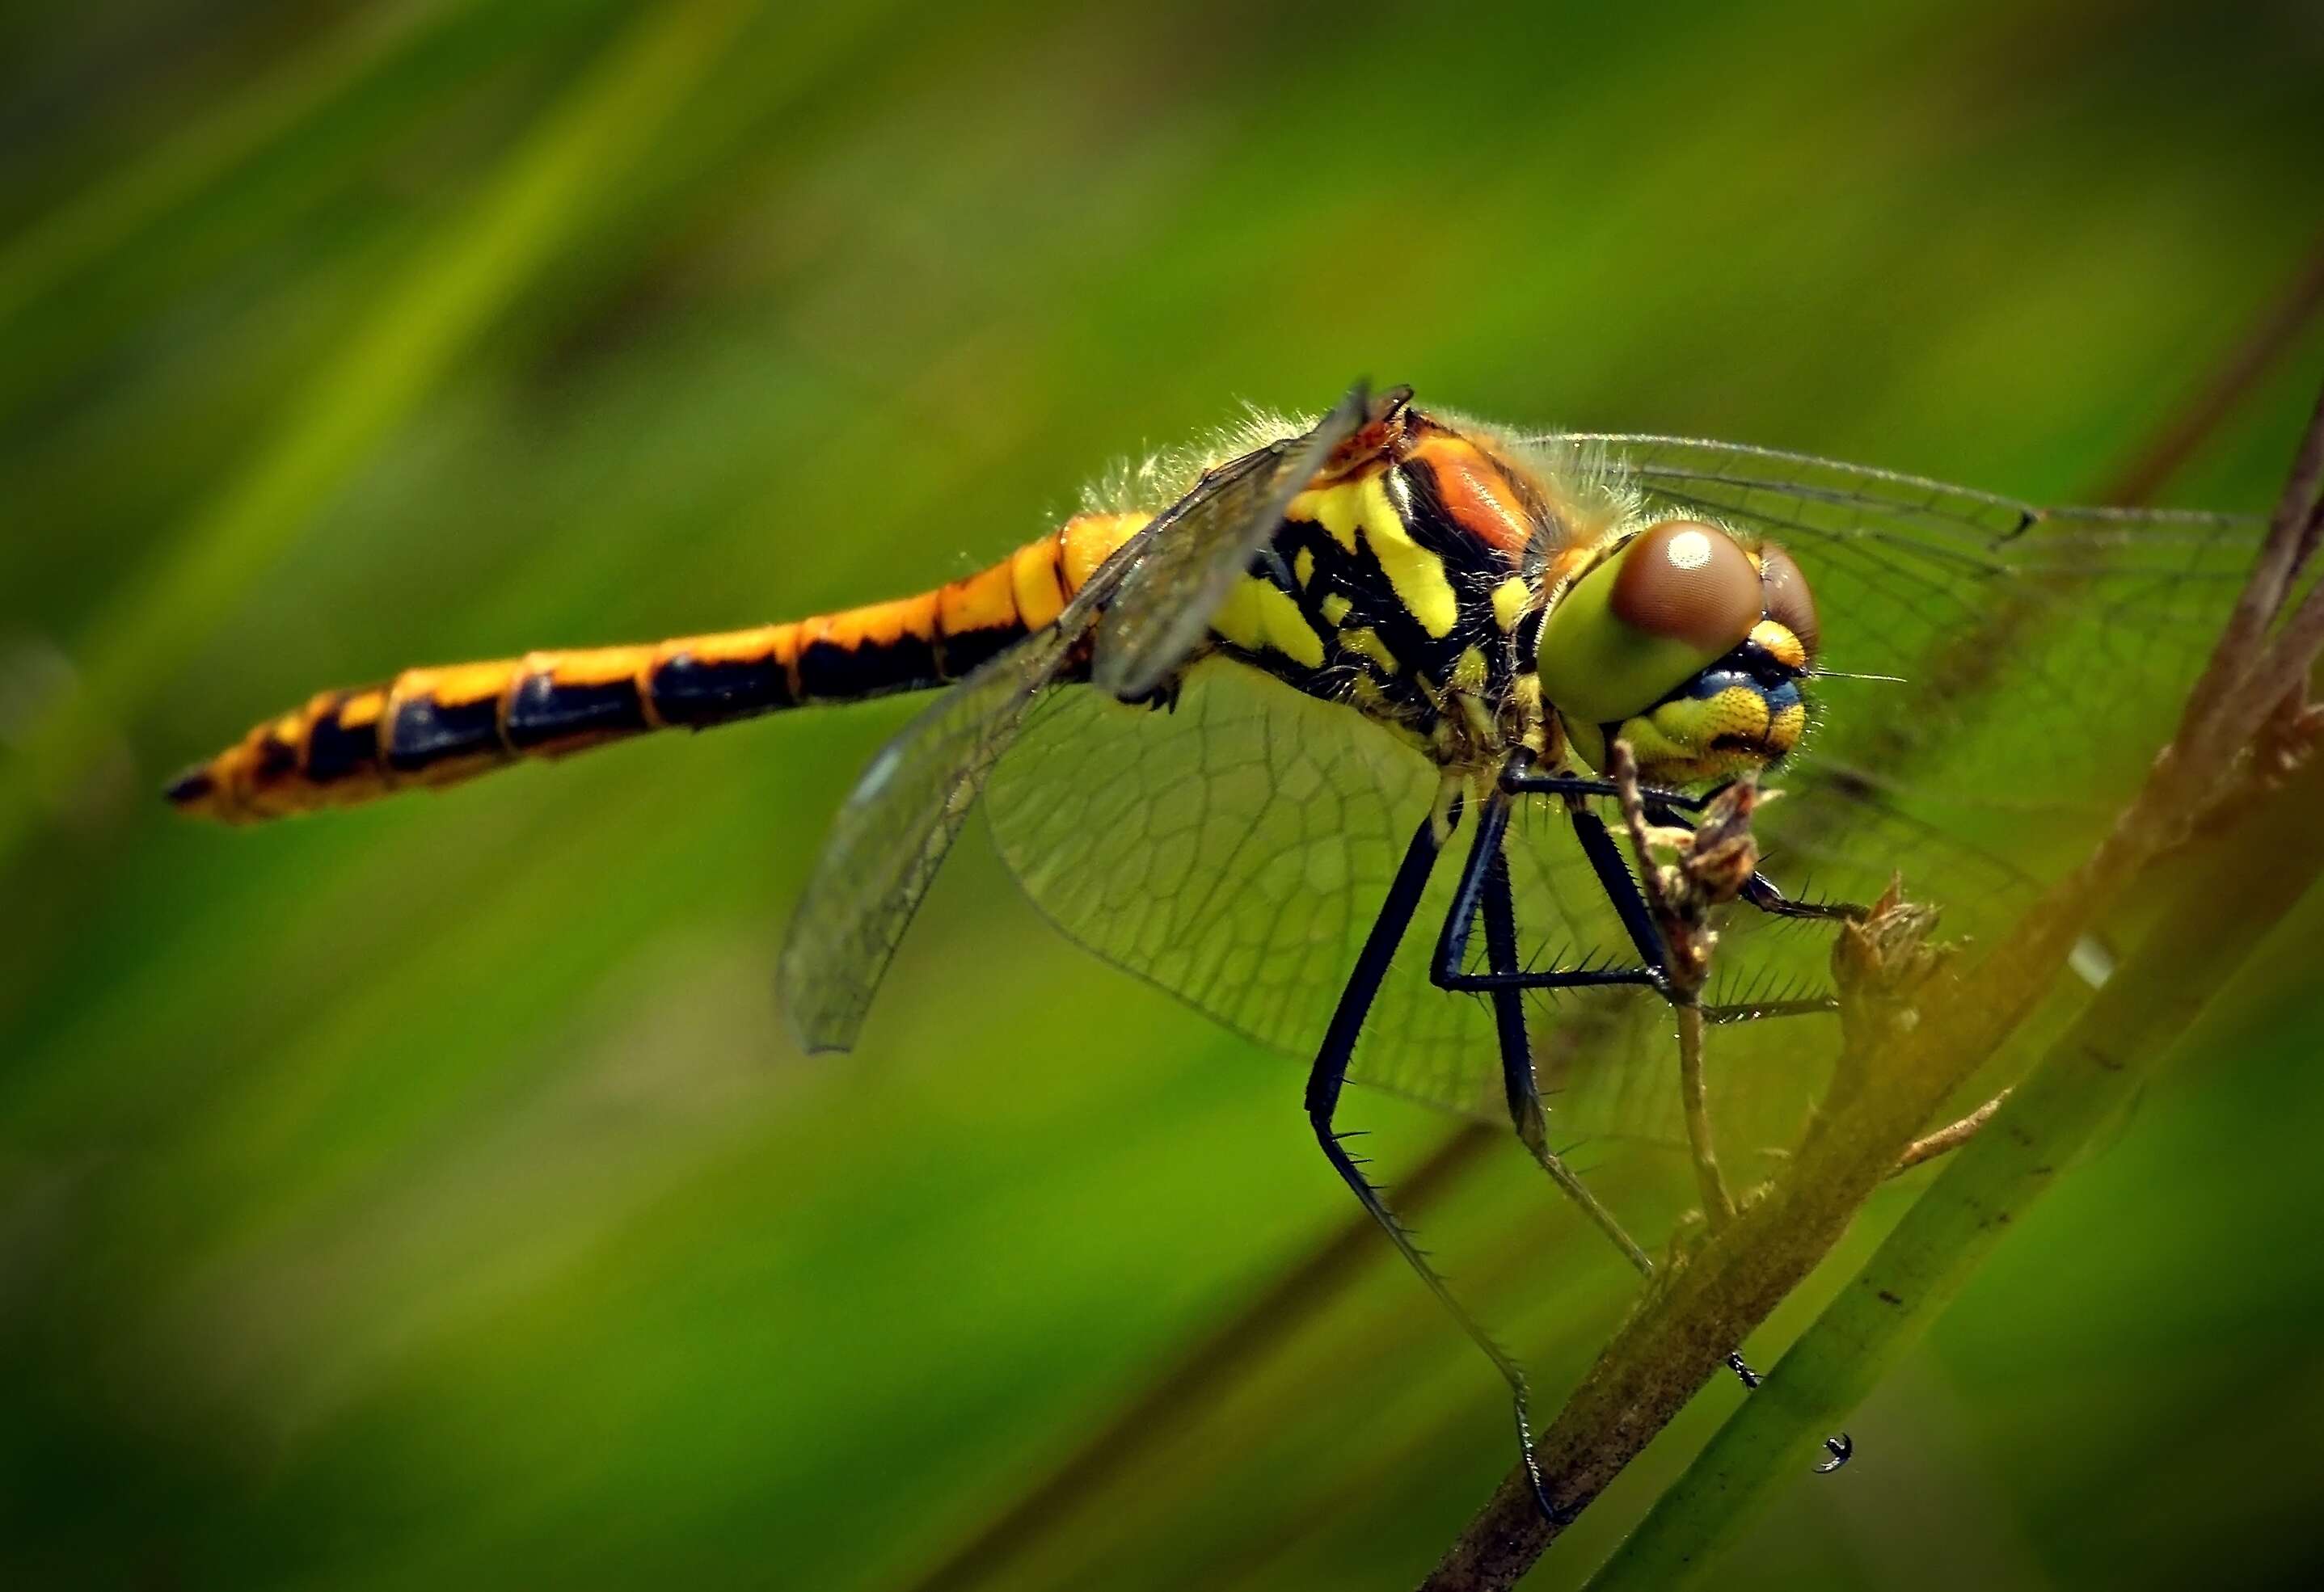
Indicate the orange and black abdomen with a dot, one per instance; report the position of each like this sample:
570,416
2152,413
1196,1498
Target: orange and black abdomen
436,726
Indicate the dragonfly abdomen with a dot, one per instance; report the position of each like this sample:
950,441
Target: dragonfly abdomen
439,726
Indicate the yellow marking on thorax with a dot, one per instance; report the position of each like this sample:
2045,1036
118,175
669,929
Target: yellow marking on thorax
1416,575
1509,599
1259,617
1366,640
1469,671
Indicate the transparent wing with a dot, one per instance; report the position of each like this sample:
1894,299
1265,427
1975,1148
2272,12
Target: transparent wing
2040,658
1201,546
894,830
1235,852
904,814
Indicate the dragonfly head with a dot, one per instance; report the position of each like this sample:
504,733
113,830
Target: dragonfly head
1688,645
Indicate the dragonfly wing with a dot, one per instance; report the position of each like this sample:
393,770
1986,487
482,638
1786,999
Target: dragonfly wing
2038,658
893,831
1235,852
1201,545
2034,660
900,820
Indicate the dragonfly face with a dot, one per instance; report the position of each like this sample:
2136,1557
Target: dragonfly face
1681,642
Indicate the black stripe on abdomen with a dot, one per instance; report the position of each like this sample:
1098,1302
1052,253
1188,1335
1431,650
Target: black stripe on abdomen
838,673
687,691
426,732
335,751
965,649
543,709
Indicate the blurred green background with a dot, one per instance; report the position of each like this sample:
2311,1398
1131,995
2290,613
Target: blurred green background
429,1195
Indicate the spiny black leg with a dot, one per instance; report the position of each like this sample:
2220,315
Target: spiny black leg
1518,778
1622,892
1330,1075
1447,972
1763,893
1517,1081
1662,806
1487,871
1756,1011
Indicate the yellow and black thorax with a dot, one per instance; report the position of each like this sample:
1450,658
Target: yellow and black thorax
1397,584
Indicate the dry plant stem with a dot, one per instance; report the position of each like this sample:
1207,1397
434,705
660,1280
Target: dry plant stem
2288,539
2250,682
1718,1204
1949,1137
1680,1336
2218,915
1937,1028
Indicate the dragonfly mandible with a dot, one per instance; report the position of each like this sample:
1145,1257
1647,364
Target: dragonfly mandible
1225,721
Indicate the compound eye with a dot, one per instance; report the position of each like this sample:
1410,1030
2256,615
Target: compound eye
1790,604
1675,598
1687,582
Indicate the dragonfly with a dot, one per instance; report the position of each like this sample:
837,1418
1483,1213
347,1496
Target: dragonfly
1226,721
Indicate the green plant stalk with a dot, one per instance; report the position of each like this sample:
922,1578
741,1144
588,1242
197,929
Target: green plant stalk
2214,916
542,193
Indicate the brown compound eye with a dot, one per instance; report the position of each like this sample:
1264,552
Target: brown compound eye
1789,602
1671,602
1688,582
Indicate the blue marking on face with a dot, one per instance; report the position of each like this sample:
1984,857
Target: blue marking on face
1778,693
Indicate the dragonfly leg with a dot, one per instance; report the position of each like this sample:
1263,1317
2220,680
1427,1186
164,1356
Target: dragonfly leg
1662,808
1613,877
1484,887
1329,1076
1518,779
1763,893
1517,1081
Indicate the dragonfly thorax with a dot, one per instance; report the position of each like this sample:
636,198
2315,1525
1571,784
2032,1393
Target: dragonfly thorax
1473,599
1395,584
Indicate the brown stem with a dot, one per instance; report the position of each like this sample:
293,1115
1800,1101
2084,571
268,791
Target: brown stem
1679,1339
1913,1034
1718,1204
2291,536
